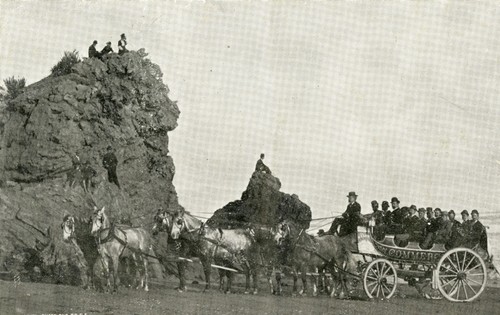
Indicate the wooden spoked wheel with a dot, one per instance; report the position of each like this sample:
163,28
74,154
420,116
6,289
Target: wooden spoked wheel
462,275
380,279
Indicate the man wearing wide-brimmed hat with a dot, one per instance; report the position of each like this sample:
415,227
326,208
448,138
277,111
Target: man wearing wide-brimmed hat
350,218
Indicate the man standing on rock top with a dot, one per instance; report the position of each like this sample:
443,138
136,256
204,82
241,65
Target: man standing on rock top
122,45
261,167
109,161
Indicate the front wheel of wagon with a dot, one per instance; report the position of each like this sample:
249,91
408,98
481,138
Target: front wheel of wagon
462,275
380,279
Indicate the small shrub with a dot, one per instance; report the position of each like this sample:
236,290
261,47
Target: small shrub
64,65
14,86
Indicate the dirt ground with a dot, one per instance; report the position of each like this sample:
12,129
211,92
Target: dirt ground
38,298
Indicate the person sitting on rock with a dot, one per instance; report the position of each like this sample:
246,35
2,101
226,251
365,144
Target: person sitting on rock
109,161
93,53
261,167
107,49
122,45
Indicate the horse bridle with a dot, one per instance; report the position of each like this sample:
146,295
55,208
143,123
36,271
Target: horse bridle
182,222
99,219
162,223
68,227
284,231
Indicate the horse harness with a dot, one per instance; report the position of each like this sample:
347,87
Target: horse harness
218,243
309,250
112,236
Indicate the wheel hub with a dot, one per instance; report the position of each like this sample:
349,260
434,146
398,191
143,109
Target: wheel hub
461,276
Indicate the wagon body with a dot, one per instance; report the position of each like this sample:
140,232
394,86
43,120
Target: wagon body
458,274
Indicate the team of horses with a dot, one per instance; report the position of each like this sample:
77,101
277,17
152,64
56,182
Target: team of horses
283,247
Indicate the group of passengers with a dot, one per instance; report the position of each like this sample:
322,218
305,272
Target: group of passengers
409,224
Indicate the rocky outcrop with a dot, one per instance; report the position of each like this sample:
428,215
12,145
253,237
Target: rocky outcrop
119,101
262,203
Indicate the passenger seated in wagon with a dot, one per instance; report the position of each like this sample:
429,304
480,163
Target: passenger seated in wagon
433,230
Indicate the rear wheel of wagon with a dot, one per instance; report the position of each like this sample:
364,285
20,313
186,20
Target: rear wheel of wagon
380,279
462,275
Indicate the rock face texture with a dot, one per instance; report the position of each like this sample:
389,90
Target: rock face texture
119,101
262,203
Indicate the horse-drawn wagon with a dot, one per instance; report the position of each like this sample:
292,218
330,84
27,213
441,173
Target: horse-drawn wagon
459,274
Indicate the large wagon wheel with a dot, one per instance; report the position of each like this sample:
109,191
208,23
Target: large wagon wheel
461,275
380,279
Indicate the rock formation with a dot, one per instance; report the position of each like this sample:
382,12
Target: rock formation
119,101
262,203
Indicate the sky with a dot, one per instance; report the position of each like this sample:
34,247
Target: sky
384,98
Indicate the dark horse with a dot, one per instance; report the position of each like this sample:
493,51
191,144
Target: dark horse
305,254
230,248
77,230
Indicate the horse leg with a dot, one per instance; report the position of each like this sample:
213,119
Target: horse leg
295,279
229,276
247,280
304,282
269,272
255,282
146,275
321,280
105,270
181,268
335,282
116,263
315,280
278,283
206,268
221,280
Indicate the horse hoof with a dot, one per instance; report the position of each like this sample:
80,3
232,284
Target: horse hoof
247,292
181,290
255,292
146,289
